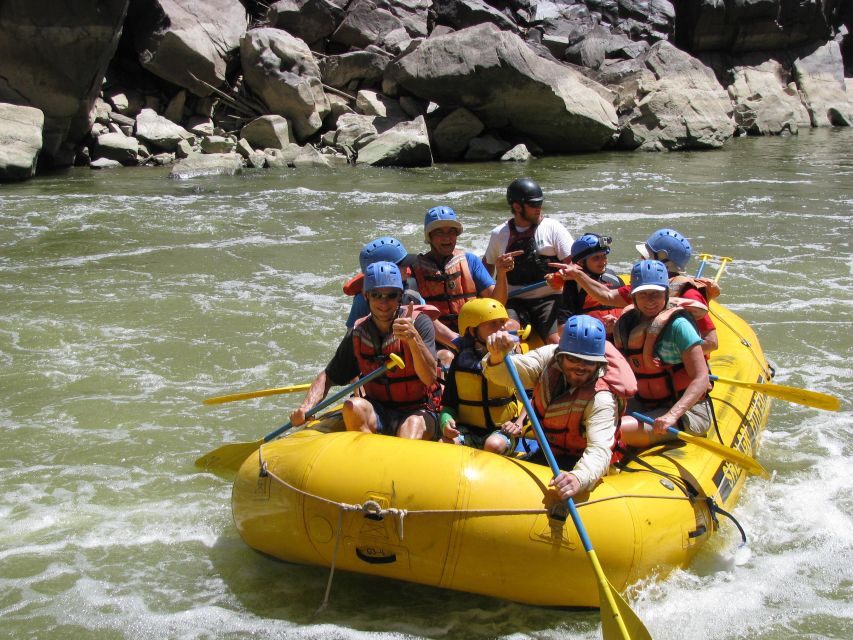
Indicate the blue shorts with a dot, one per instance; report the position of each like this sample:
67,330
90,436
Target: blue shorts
388,419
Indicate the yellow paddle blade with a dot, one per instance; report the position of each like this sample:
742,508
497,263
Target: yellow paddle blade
791,394
257,394
751,465
227,459
618,620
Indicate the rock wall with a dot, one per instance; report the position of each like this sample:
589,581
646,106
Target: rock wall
410,82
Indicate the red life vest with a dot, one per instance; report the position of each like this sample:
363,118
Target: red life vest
575,296
705,286
560,410
448,287
398,388
354,285
636,337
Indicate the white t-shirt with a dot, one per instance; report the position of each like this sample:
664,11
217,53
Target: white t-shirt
552,239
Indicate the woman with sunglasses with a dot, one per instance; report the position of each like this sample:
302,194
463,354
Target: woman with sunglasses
580,389
404,401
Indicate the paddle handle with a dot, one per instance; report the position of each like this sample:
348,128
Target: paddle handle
546,448
704,258
529,287
394,361
649,420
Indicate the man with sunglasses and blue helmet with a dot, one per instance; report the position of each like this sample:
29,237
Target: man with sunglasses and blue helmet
589,252
580,389
447,278
403,402
657,335
529,242
673,250
384,249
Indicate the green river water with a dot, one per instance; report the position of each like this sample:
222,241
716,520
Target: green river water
127,298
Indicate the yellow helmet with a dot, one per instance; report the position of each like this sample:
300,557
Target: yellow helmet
479,310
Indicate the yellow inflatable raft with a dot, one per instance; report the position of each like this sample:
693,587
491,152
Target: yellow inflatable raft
458,518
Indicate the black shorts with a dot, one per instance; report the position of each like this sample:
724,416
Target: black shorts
541,313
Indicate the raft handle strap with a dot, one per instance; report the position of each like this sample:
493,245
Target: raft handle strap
715,509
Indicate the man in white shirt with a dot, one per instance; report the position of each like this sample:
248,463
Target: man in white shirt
539,240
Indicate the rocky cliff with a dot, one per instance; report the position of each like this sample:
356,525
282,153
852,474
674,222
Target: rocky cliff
218,85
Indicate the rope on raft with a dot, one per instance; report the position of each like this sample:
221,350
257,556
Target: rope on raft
373,509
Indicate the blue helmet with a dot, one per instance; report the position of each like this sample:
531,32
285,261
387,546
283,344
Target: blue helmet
440,217
649,275
382,274
382,249
667,245
590,244
583,337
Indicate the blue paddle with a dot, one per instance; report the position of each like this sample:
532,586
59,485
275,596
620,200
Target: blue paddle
618,620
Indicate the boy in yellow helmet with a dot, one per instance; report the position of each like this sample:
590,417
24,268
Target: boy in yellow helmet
478,413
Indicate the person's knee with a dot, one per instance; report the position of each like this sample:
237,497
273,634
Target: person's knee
495,444
413,428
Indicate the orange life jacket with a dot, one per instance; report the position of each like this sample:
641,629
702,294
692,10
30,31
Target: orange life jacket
560,410
636,337
448,287
398,388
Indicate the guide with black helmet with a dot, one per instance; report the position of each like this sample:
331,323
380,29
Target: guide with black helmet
531,241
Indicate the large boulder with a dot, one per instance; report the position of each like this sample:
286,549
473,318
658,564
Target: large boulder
452,135
497,77
282,71
680,105
207,164
53,56
159,131
404,145
267,132
309,20
20,141
819,71
461,14
356,69
386,23
765,100
181,40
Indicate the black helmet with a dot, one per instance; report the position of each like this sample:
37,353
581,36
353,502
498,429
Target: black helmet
524,191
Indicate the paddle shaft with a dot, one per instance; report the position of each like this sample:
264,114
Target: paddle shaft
751,465
525,289
256,394
790,394
605,588
381,371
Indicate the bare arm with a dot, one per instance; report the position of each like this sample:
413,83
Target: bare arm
404,329
694,365
316,392
711,343
598,290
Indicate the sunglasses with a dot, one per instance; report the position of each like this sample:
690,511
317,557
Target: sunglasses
378,295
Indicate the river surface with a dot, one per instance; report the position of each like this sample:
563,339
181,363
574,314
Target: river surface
127,298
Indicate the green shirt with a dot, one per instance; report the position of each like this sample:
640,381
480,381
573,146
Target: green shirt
675,339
